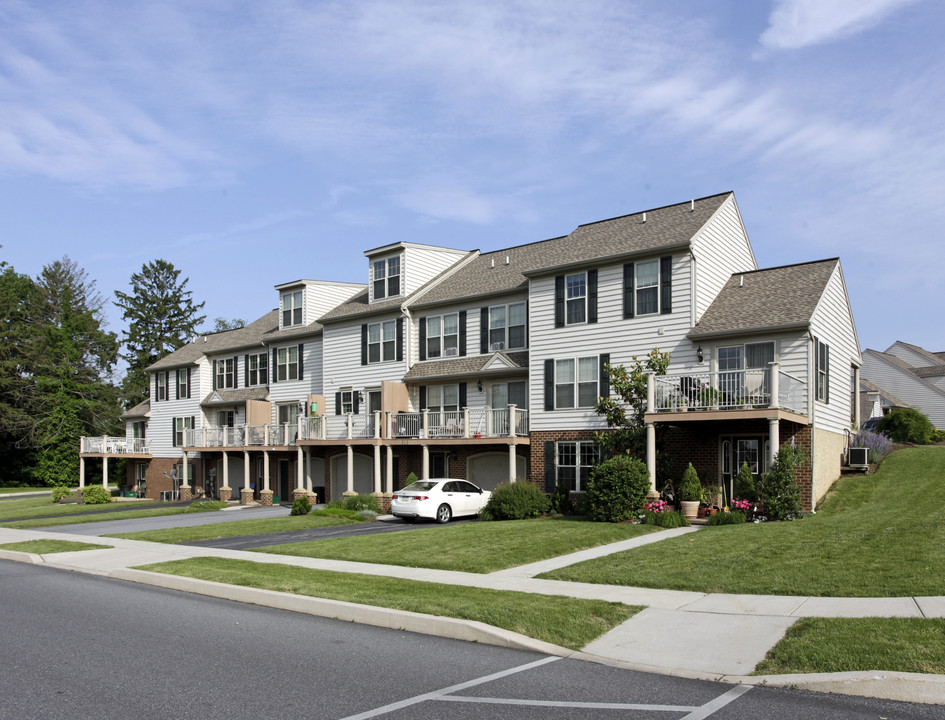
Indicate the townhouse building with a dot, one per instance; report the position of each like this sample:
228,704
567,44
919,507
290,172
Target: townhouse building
488,366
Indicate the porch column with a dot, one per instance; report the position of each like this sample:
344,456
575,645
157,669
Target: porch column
390,469
265,470
651,454
224,492
426,462
856,397
774,440
246,493
775,385
512,468
81,472
105,471
377,469
350,450
185,489
308,469
299,468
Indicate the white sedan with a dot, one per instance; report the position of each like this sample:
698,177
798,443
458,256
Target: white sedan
439,500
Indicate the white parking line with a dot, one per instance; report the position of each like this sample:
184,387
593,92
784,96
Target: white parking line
445,695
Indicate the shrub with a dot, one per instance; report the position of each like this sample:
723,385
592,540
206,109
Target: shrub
301,506
778,493
877,444
338,512
561,500
206,506
96,495
907,425
59,492
617,488
411,478
938,435
665,519
690,489
368,514
745,484
516,501
735,517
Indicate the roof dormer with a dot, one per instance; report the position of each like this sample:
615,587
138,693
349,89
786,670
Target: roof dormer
386,275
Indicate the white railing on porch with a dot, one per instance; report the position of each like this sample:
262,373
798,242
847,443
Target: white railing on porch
729,390
114,445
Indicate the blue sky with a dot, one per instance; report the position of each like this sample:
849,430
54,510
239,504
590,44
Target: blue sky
256,143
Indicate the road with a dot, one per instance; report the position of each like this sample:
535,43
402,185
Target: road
78,646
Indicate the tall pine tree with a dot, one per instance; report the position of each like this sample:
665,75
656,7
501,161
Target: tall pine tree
161,317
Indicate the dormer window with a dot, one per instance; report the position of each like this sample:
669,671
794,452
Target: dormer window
387,278
292,308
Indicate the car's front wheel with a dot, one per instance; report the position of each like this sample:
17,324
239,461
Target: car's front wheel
443,513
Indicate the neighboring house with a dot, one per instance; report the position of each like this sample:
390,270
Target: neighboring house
487,366
909,376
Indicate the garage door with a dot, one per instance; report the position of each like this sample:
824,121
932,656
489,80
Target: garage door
489,469
363,475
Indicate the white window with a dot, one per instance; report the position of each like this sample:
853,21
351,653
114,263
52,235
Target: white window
180,425
289,414
443,335
226,418
507,327
576,389
347,401
648,287
443,398
258,369
292,308
160,381
510,393
183,383
386,278
823,370
576,298
225,373
287,363
138,428
382,341
575,461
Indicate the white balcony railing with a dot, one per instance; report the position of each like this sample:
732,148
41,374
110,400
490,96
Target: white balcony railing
729,390
114,445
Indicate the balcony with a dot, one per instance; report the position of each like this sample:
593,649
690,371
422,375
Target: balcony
105,445
481,422
241,436
727,390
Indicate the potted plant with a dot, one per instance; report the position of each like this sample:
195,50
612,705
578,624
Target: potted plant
690,492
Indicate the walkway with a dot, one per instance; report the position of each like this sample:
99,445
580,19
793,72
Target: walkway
664,637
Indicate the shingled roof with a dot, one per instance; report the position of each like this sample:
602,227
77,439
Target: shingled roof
461,367
235,397
771,299
252,334
141,410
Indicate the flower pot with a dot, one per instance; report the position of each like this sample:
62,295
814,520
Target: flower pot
690,508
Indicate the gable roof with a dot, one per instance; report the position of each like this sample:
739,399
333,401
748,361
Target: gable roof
762,300
248,336
933,358
141,410
466,366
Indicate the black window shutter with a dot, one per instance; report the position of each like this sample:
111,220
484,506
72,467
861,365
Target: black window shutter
549,384
187,370
628,290
173,432
604,378
176,386
550,466
592,296
826,375
236,374
423,338
338,403
462,333
364,344
274,371
559,300
484,330
215,373
301,349
400,339
423,397
666,285
246,371
526,325
462,395
355,405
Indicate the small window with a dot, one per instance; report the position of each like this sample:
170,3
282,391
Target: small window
382,341
648,287
181,424
160,381
575,461
347,401
292,308
443,398
183,383
576,298
442,335
823,370
258,369
287,363
507,327
386,278
576,390
225,373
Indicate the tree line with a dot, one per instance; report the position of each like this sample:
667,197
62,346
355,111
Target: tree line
59,377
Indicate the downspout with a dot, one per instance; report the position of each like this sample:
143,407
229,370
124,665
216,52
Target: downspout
812,399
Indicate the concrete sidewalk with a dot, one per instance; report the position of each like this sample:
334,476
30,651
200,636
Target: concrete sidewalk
713,636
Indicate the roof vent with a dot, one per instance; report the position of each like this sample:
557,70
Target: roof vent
692,205
506,259
741,280
644,217
493,262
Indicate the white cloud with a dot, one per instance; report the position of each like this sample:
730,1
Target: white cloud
799,23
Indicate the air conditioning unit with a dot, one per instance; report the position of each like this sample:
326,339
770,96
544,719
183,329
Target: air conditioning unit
498,345
451,351
859,457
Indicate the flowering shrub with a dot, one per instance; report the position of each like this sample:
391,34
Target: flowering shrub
742,505
877,444
657,506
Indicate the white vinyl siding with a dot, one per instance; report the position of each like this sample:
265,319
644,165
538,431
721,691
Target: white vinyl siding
161,423
918,393
342,362
287,391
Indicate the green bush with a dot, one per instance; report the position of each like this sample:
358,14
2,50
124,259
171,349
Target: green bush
690,489
745,484
59,492
778,493
938,435
411,478
907,425
96,495
206,506
516,501
338,512
665,520
355,503
735,517
301,506
561,500
617,488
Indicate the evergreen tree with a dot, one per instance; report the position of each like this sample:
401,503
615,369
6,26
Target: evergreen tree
161,317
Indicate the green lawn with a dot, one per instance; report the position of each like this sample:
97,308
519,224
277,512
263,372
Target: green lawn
875,536
568,622
19,508
45,547
138,512
479,547
235,528
819,645
20,489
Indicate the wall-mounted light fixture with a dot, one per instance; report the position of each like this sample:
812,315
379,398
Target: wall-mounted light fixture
699,355
360,397
479,385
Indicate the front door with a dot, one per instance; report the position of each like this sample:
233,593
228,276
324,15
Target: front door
284,494
736,450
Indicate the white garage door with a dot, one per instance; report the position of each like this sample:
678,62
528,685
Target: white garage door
488,470
363,475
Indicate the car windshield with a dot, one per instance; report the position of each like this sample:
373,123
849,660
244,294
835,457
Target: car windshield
419,485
